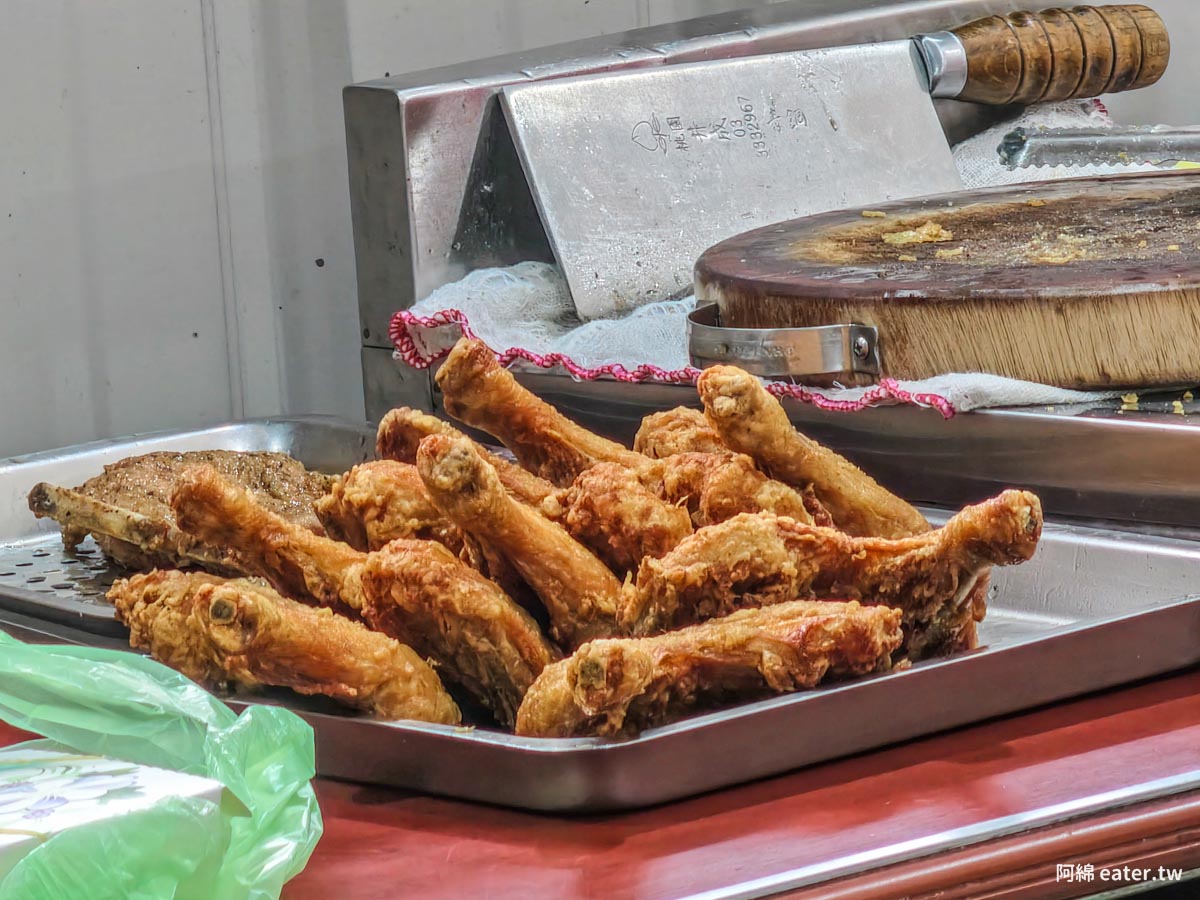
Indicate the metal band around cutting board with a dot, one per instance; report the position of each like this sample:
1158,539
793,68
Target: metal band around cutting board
774,352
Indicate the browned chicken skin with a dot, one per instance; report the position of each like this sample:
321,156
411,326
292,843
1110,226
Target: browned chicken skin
415,591
678,430
377,502
403,429
610,511
757,560
578,590
241,633
753,422
717,486
620,686
481,393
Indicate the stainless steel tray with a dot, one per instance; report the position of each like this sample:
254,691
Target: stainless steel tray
1093,609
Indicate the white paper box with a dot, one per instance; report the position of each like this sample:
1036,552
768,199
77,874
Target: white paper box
43,792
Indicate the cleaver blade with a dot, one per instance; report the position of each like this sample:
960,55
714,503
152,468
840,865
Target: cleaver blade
635,174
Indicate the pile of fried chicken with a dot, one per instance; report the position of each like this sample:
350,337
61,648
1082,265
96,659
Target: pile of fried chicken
587,589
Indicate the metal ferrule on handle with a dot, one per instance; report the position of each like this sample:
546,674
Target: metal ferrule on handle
783,352
945,61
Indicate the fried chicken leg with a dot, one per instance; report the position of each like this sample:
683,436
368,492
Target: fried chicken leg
753,422
678,430
240,633
578,590
757,560
415,591
610,511
484,395
403,429
714,487
377,502
611,687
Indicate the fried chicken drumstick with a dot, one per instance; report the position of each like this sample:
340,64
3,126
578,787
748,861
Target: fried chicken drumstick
674,431
717,486
578,590
415,591
376,502
753,422
610,511
478,391
758,560
402,430
712,483
620,686
237,632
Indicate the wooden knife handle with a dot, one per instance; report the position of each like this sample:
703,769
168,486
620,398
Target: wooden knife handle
1058,54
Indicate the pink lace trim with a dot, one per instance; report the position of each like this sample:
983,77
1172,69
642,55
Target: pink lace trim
400,333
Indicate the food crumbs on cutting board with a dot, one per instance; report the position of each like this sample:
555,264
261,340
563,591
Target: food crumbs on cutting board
1174,247
1187,396
1177,408
1129,402
906,257
929,233
1035,202
948,254
873,214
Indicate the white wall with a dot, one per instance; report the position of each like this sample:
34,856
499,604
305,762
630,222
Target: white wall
171,170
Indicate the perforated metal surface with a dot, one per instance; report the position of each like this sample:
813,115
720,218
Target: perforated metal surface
41,577
81,575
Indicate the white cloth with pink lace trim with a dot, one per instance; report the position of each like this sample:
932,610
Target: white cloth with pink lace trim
525,314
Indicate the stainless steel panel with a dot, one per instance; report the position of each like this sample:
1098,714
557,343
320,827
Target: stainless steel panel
1094,608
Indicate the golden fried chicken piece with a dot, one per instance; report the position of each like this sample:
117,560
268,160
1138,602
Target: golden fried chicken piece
678,430
757,560
238,632
377,502
712,480
403,429
718,486
610,511
620,686
753,422
484,395
415,591
578,590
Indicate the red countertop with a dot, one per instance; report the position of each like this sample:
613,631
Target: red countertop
384,843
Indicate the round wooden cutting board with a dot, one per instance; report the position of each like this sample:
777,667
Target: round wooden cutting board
1082,283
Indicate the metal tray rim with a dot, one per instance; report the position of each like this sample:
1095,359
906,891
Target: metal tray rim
701,721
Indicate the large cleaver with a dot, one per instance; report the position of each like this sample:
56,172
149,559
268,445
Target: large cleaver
636,173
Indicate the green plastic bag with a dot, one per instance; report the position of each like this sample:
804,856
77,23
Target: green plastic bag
131,708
